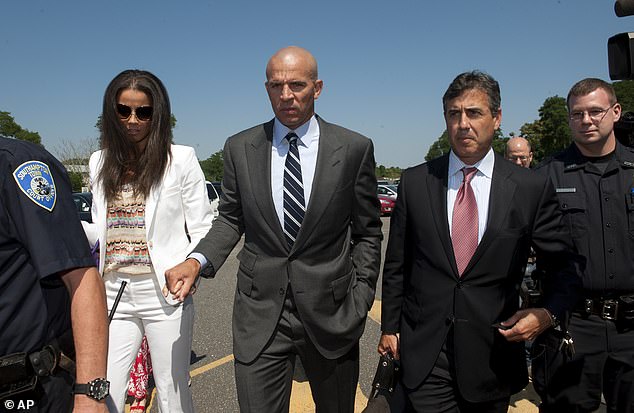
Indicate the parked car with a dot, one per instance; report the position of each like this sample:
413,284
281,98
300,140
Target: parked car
387,204
218,187
386,190
213,197
83,203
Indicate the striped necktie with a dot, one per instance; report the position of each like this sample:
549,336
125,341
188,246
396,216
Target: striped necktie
464,224
294,204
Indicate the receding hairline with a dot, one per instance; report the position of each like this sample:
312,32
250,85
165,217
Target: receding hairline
517,139
293,53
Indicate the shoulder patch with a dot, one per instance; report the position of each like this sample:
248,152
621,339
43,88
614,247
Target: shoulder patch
35,180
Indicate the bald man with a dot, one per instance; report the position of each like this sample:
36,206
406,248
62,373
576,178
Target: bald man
303,193
518,151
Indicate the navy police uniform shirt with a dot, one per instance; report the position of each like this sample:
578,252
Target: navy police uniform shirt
40,236
597,200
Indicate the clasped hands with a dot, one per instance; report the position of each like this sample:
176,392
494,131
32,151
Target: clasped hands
180,281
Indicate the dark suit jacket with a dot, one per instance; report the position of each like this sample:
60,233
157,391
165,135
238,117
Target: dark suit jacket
423,296
334,264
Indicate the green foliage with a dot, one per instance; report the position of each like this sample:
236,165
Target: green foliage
391,172
550,133
213,166
439,148
10,129
442,146
625,94
76,181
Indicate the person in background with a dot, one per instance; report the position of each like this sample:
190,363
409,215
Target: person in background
52,301
452,275
518,151
303,193
594,179
150,208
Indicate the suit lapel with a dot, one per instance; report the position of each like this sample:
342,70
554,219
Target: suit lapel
437,193
330,157
258,153
502,191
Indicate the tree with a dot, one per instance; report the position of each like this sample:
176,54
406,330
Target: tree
10,129
550,133
625,94
75,156
441,146
75,153
383,172
213,166
76,181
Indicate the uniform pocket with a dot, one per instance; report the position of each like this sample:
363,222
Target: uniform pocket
573,207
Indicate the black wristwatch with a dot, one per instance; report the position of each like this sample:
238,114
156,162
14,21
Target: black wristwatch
97,389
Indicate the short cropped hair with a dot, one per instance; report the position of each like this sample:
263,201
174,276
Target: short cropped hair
589,85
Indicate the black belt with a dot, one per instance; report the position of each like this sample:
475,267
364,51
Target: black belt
19,372
619,308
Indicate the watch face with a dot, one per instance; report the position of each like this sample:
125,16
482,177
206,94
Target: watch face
99,389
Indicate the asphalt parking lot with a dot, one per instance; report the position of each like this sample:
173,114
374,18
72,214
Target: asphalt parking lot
212,360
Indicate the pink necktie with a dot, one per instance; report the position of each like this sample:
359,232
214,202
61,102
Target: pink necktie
464,224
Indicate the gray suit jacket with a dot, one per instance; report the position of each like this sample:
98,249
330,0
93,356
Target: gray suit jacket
334,264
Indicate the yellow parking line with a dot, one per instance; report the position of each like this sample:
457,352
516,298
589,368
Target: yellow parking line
212,365
375,311
301,398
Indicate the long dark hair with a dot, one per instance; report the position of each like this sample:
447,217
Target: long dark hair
122,162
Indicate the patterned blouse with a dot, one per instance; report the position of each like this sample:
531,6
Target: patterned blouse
126,246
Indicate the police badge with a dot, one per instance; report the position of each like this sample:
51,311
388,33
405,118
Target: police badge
35,180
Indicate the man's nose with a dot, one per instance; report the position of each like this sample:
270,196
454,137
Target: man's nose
464,121
518,161
287,94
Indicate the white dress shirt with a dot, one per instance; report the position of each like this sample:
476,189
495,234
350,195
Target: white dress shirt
480,183
308,145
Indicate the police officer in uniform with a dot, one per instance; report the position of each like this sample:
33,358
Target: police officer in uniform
594,178
52,301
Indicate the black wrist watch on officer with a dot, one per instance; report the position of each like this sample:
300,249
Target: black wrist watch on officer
97,389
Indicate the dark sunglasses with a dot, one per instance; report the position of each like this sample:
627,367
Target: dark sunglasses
143,113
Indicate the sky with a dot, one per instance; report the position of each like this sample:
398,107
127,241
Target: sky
385,65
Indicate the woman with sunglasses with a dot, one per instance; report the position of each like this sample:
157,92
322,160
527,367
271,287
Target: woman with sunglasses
150,208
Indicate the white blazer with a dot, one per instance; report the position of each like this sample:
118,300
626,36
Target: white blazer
178,207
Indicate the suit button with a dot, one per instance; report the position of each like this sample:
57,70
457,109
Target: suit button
459,286
281,291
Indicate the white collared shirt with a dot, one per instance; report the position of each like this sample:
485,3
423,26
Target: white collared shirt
481,184
308,145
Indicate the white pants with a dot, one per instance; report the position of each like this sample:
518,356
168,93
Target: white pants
142,310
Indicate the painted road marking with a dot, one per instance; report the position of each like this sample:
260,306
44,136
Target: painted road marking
302,400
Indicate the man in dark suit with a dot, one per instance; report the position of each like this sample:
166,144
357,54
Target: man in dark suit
460,235
303,192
